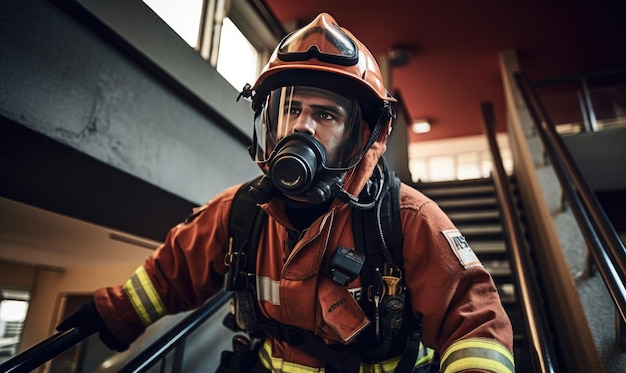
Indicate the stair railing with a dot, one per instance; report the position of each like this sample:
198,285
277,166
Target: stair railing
585,102
541,350
176,337
45,350
606,247
49,348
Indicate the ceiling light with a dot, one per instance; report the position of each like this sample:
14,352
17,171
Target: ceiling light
400,55
421,126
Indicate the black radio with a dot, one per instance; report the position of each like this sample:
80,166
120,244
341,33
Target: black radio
345,265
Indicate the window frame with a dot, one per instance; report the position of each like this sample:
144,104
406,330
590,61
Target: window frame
263,33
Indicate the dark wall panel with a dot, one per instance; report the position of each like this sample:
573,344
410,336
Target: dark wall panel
39,171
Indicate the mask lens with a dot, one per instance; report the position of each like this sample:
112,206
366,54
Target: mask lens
334,120
322,40
294,166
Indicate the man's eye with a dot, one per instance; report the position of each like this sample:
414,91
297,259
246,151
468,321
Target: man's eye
326,115
294,110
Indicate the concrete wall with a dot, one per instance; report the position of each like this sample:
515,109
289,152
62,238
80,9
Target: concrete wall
76,82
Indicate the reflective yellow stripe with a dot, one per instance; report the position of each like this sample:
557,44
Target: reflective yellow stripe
425,356
136,302
143,297
477,363
278,365
477,353
154,297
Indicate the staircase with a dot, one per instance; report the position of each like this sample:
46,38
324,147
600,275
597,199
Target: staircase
472,206
10,339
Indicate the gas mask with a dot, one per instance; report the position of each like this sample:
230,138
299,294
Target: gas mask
286,145
296,169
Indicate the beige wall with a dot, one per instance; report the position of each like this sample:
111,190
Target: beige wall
16,276
48,284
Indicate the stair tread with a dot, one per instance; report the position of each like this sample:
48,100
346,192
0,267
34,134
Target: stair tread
454,183
488,247
458,190
473,215
467,203
498,271
470,229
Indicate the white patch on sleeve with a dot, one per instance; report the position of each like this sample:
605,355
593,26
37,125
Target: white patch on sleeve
461,248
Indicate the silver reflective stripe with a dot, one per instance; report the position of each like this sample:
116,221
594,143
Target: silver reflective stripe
268,290
478,353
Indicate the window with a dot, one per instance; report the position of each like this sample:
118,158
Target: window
227,34
468,166
456,159
441,168
418,169
183,16
13,309
237,60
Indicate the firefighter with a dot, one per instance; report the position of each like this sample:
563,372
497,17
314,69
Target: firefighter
322,118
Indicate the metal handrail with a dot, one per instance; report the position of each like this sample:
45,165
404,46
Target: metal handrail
45,350
589,117
177,335
535,320
605,245
49,348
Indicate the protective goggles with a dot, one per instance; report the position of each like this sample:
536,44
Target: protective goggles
324,40
334,120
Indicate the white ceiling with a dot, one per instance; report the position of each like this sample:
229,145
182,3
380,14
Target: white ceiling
34,236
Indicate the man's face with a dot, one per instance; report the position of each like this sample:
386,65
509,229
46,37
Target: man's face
332,119
324,116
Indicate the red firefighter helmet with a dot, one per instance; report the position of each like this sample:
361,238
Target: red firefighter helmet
324,55
321,57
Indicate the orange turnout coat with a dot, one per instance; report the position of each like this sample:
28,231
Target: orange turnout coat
462,315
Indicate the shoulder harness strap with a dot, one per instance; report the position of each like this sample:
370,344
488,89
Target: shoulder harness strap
378,233
246,221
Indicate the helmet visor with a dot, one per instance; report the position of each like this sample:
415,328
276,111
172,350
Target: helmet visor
323,40
334,120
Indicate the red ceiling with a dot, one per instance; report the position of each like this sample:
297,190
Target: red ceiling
457,44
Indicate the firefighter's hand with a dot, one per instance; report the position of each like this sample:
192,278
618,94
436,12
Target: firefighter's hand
89,321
